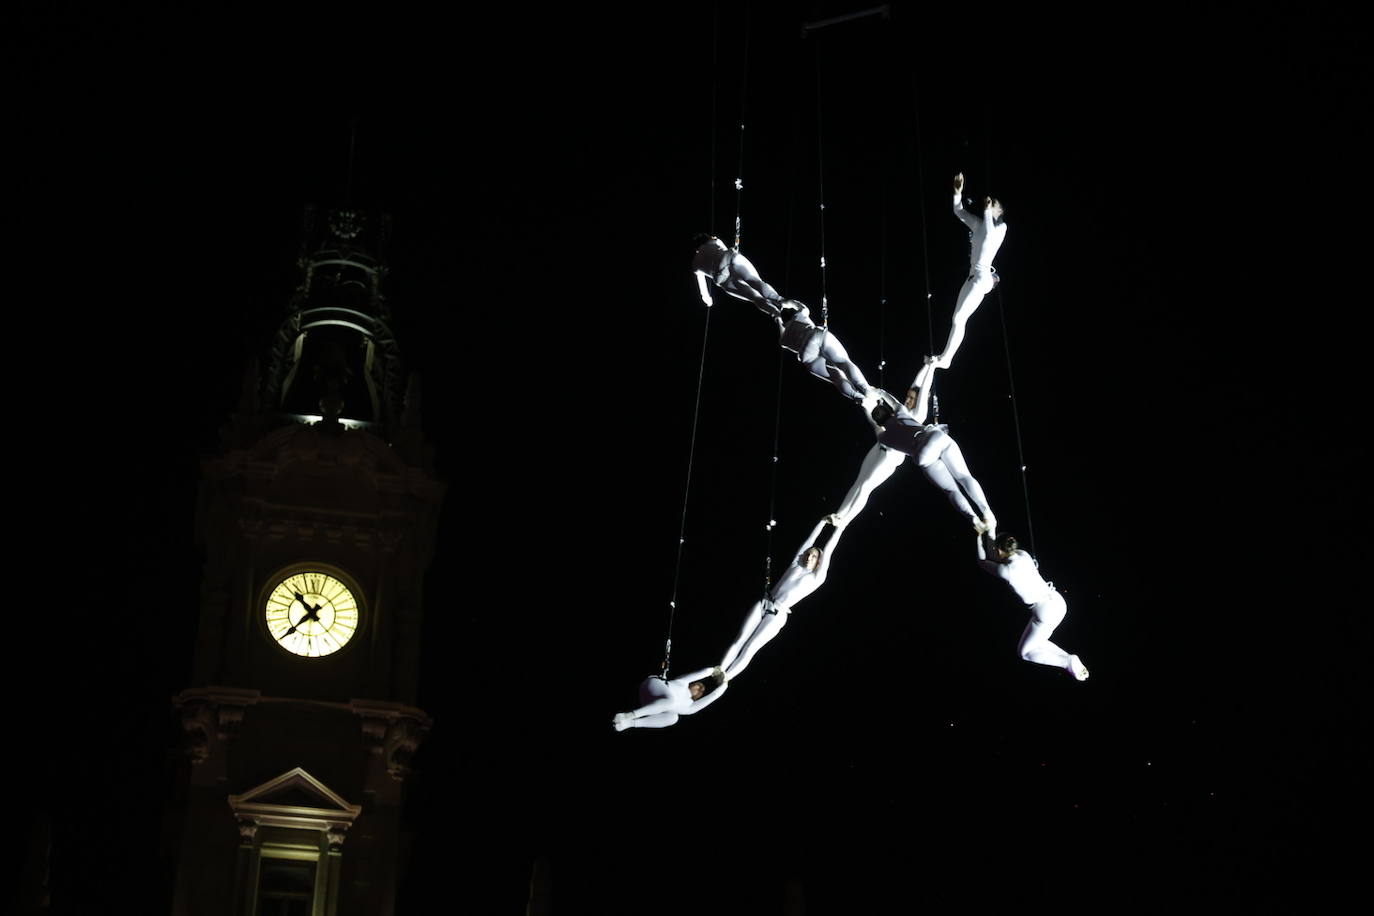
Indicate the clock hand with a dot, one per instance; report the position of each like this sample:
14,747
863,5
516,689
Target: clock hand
306,616
311,613
301,598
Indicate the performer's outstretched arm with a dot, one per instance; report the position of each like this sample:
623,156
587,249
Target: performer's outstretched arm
965,217
923,386
824,568
811,538
988,566
695,675
703,288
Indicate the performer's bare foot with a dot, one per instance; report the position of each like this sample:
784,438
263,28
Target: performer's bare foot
1077,668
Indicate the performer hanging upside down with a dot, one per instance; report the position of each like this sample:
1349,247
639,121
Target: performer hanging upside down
819,350
985,237
732,272
1018,569
766,618
663,700
903,432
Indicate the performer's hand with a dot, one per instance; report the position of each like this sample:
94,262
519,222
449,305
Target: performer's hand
959,183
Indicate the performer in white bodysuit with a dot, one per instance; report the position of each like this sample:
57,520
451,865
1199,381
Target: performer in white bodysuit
733,273
903,433
816,348
1018,569
663,701
766,618
881,461
985,237
819,350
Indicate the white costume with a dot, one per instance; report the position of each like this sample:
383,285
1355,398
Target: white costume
877,467
939,457
767,617
985,237
1046,605
732,272
936,453
663,701
819,350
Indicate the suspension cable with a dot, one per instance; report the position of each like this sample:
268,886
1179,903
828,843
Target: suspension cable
1011,380
820,180
925,236
686,494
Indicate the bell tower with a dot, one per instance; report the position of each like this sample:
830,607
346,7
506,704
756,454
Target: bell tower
316,522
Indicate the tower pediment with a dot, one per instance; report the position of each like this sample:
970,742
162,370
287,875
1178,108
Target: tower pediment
295,799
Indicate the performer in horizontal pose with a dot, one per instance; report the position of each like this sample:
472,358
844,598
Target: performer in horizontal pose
819,350
663,701
1018,569
732,272
767,617
816,348
985,237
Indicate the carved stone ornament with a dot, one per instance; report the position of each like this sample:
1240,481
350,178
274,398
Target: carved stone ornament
197,725
210,716
394,731
230,720
403,739
374,732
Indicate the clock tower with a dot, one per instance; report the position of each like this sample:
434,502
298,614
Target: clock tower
316,522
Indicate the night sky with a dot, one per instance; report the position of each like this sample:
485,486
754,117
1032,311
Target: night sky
1184,310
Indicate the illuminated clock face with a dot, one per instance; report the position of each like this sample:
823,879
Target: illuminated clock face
311,614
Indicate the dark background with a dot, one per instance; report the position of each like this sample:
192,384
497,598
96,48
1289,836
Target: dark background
1184,312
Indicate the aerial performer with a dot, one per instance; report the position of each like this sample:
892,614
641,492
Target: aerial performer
985,237
904,432
881,461
804,575
1018,569
663,701
732,272
819,350
816,348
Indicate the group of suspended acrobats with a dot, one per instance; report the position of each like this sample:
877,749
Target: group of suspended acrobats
901,431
